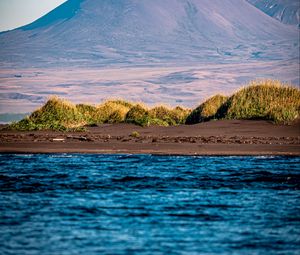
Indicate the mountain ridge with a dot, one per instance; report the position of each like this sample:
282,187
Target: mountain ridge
172,51
147,32
286,11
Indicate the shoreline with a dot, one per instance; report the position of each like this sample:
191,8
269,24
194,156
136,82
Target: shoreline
212,151
215,138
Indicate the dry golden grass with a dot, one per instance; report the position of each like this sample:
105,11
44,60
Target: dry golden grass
207,110
112,112
268,99
56,114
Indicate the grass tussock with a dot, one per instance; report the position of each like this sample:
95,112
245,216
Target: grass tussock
112,112
156,116
139,115
135,134
207,110
56,114
268,100
88,113
62,115
169,116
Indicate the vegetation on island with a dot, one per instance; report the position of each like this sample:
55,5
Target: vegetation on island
59,114
207,110
267,100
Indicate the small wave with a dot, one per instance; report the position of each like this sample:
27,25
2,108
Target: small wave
63,155
84,210
202,216
149,178
134,179
23,155
265,157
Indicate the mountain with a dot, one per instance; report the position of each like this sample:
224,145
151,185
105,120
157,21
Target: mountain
170,51
97,33
286,11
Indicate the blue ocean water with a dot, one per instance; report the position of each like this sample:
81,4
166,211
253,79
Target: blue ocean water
143,204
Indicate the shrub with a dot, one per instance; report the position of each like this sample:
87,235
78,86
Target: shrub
207,110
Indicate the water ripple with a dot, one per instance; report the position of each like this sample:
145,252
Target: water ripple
144,204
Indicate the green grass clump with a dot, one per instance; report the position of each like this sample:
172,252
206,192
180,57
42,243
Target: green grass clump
112,111
270,100
164,114
207,110
135,134
24,125
121,102
138,115
157,116
56,114
168,116
88,112
180,114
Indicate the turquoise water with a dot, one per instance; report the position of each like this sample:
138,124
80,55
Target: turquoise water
143,204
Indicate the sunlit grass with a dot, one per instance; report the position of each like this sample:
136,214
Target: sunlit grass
268,100
62,115
265,99
56,114
207,110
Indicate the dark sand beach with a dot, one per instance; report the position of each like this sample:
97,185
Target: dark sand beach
225,137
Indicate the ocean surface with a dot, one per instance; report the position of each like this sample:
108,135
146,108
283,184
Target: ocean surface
143,204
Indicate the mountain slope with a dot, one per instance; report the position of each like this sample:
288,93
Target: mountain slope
171,51
96,33
286,11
